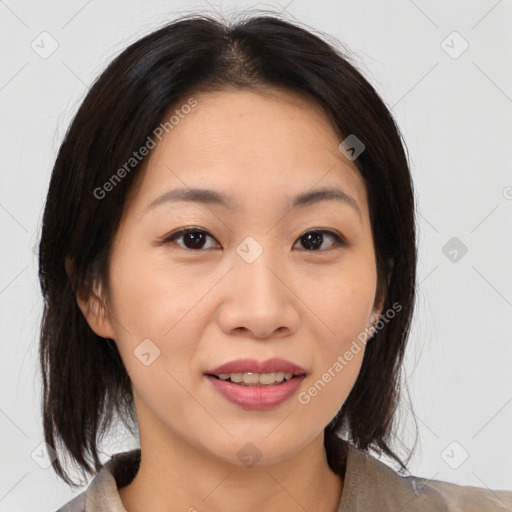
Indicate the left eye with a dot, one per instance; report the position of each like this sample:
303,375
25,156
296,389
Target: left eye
194,239
315,239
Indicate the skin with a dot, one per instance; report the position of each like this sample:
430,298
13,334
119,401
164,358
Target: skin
207,306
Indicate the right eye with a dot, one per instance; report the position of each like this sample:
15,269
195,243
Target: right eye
193,238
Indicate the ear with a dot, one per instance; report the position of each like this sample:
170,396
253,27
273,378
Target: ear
380,298
93,306
376,312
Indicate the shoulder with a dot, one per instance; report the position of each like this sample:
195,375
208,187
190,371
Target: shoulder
102,494
468,498
77,504
372,485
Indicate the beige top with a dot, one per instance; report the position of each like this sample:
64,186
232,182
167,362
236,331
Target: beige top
369,486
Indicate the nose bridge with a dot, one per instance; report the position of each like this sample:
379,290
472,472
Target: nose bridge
256,266
257,299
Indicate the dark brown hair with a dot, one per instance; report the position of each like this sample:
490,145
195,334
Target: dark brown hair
85,383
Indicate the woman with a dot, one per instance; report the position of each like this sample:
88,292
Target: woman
228,263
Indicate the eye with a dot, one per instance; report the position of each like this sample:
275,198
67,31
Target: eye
314,239
195,238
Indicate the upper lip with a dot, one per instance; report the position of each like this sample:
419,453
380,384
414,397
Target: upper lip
254,366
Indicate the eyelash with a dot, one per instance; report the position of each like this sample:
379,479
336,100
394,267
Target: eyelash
339,241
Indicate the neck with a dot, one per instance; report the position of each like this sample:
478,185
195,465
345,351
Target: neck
175,476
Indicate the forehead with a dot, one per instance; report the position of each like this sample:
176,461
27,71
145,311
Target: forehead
251,145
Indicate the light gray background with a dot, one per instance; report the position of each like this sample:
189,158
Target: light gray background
455,114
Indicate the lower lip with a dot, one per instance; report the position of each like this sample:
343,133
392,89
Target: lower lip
260,398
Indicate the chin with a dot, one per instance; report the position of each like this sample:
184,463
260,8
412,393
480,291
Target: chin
256,449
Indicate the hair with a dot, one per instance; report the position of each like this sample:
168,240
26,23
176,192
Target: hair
84,380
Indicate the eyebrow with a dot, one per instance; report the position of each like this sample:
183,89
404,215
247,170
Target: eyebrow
214,198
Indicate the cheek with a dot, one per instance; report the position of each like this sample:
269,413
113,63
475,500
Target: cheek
145,299
344,304
344,308
328,389
151,317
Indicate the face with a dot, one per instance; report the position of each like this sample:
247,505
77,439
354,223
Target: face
257,277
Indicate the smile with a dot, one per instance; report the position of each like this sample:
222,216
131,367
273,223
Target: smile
256,396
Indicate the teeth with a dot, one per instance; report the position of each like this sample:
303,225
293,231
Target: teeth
264,378
253,378
250,378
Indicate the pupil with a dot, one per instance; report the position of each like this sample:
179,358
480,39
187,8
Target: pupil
314,238
195,238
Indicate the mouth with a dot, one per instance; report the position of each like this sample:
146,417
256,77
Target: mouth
254,373
257,385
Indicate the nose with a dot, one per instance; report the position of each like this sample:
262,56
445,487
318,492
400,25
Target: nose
259,300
